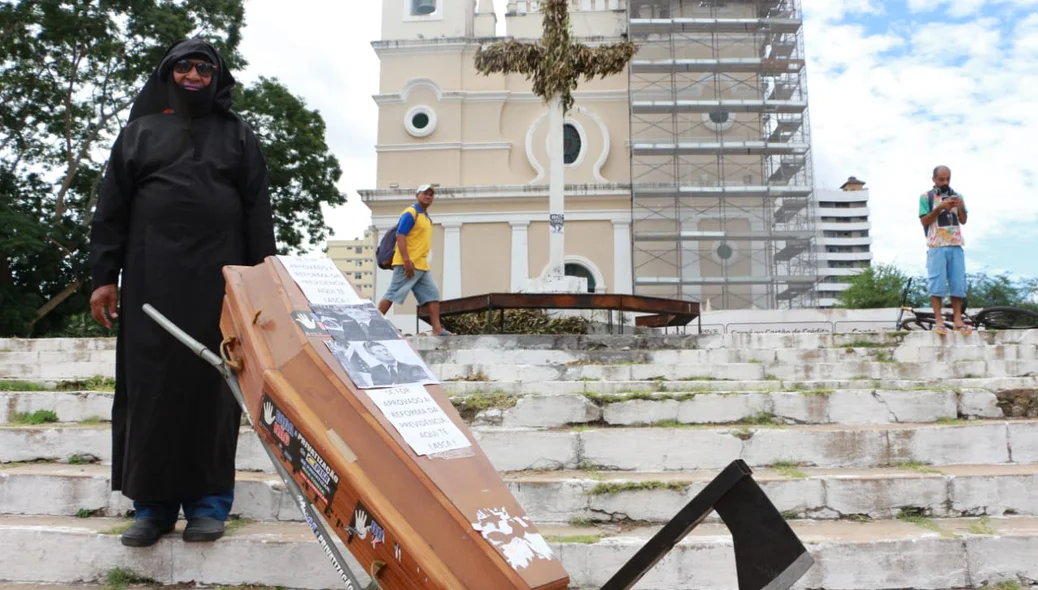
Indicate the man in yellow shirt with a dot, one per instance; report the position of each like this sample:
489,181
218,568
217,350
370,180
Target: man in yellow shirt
411,261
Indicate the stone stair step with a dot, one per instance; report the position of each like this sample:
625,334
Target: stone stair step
501,371
938,553
651,448
605,386
863,406
55,489
714,356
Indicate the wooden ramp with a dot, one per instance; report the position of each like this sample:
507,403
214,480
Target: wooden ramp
389,463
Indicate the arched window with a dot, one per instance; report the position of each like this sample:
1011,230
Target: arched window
579,270
423,7
571,142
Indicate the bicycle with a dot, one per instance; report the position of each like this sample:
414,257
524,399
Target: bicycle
1001,317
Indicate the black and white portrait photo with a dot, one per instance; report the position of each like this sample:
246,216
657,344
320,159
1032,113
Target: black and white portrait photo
385,363
352,323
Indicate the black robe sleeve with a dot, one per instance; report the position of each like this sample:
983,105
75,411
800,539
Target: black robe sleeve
255,187
110,226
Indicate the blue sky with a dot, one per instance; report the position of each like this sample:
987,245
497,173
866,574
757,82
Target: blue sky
898,87
895,88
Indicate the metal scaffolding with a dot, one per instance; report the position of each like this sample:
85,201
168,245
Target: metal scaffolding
720,153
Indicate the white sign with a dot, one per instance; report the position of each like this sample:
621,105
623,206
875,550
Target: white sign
419,419
320,280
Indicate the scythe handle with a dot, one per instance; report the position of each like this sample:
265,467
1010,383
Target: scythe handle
196,347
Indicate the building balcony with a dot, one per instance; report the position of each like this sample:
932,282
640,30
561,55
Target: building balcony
648,107
740,236
715,192
662,26
842,211
829,271
824,256
863,241
837,226
718,66
804,281
708,148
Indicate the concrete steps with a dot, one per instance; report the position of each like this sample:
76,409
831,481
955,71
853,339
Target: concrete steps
653,448
917,553
860,403
901,460
56,489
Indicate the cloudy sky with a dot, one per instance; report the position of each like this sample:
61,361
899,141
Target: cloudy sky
895,88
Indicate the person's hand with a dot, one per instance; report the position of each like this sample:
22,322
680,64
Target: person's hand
948,204
408,268
103,298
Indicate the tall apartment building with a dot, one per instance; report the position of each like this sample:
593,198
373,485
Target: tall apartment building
845,246
356,258
721,174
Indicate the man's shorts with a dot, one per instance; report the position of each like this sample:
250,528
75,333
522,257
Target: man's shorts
946,267
421,284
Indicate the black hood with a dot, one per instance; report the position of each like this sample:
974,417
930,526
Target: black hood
160,93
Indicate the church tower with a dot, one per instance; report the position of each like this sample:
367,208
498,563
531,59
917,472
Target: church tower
430,19
482,141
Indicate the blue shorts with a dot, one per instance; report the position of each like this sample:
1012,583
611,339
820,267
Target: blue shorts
946,267
421,284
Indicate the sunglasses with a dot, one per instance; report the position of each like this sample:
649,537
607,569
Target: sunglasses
204,69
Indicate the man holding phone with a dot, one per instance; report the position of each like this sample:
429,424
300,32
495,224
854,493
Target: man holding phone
942,211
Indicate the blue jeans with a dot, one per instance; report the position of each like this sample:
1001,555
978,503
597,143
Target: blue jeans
946,267
216,506
421,284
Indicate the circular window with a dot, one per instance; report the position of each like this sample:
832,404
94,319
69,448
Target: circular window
420,121
719,120
724,251
571,143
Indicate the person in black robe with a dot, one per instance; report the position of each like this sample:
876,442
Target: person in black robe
185,193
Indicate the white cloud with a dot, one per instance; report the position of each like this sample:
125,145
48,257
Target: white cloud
889,117
888,102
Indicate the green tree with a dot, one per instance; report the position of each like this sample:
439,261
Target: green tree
879,286
70,71
983,290
302,171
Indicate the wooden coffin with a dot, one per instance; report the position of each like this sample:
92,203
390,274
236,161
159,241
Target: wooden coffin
440,521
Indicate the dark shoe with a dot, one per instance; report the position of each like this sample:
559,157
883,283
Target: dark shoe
200,530
145,532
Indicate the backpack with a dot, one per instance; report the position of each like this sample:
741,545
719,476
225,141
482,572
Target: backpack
387,249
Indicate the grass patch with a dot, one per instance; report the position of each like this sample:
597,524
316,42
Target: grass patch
579,522
603,399
478,377
34,419
118,529
234,524
788,469
700,379
981,527
743,433
947,420
917,517
822,391
12,385
606,489
119,578
866,344
582,539
86,513
916,466
92,420
761,419
96,383
884,356
83,459
471,405
789,515
1007,585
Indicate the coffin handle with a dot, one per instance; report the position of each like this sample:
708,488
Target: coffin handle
225,352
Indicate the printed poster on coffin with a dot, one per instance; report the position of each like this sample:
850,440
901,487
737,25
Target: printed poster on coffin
320,280
381,363
419,419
